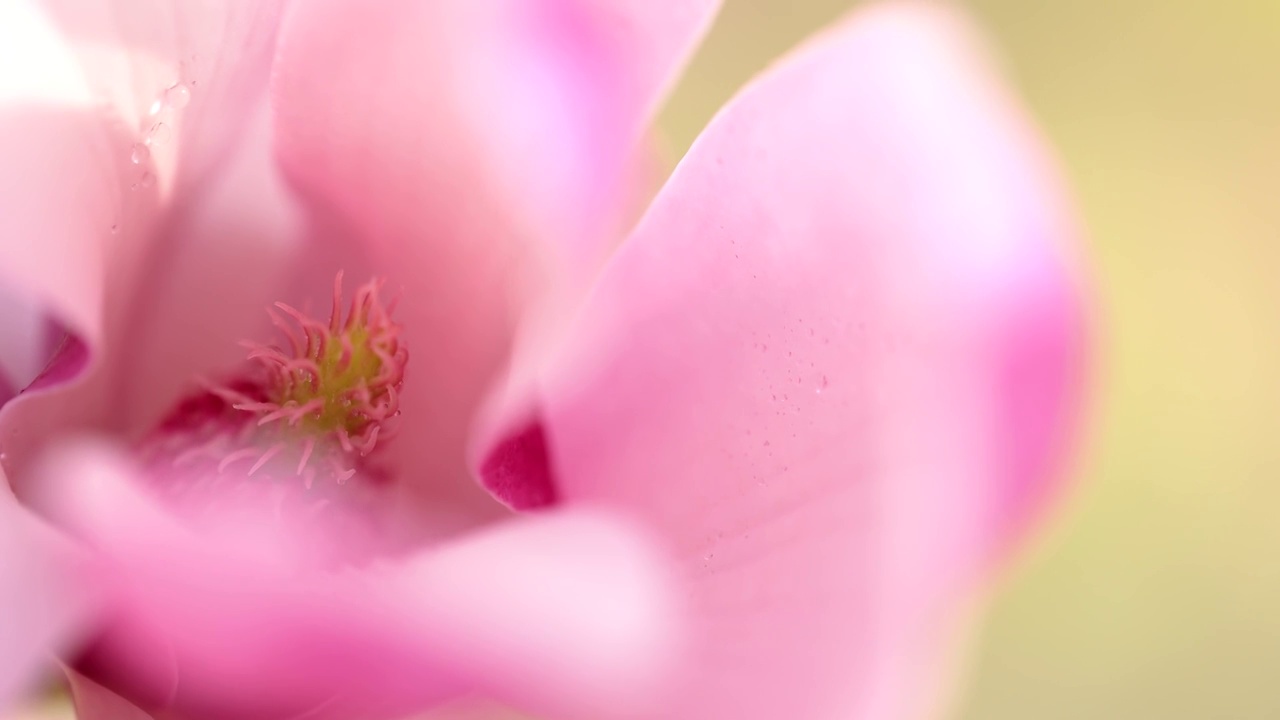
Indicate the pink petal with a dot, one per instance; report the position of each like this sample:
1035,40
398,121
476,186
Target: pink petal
88,175
26,342
565,612
476,151
228,252
44,605
835,366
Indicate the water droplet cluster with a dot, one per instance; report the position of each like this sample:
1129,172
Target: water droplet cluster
159,130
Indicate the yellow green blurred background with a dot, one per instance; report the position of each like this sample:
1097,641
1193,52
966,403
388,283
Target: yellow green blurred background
1156,593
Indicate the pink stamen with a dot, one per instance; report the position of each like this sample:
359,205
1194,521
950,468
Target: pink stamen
266,457
335,315
348,352
393,401
344,439
305,366
269,354
302,320
230,396
232,457
308,447
312,406
370,442
253,406
285,330
304,392
280,414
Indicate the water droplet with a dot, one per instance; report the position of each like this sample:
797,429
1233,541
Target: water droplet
147,180
156,106
140,154
160,133
178,96
115,229
822,385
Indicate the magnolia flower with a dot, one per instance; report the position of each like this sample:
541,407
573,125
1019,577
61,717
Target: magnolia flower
748,462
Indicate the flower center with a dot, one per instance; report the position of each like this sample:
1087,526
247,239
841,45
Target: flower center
314,408
339,379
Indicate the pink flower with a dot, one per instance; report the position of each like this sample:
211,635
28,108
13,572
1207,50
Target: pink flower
760,454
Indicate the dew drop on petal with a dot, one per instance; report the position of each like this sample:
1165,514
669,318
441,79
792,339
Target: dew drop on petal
147,180
178,96
160,133
140,154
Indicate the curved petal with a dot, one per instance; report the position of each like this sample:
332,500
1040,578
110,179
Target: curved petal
565,612
111,112
227,253
847,333
25,343
477,150
44,602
